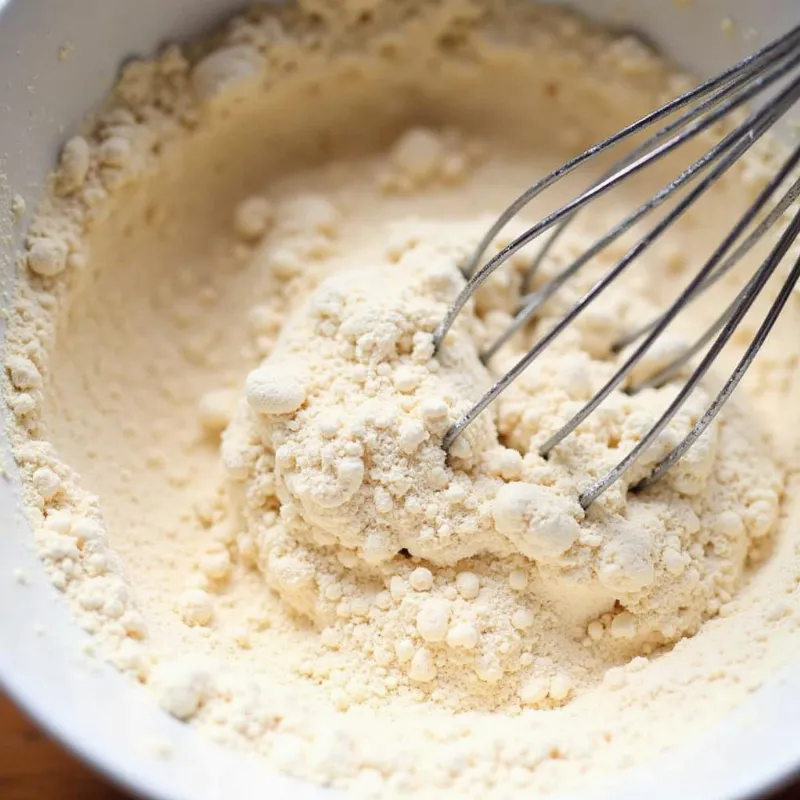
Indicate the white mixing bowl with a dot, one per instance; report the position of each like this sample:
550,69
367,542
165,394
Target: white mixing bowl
92,709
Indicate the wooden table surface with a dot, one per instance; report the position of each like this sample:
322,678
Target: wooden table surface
34,768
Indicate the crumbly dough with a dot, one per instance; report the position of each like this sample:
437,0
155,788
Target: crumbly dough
227,412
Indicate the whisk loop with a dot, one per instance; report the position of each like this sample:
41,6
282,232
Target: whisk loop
773,67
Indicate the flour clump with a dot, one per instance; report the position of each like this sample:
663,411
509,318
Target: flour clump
366,499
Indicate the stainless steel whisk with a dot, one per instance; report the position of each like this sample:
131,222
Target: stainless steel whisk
770,76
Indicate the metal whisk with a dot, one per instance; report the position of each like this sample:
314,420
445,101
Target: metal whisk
771,77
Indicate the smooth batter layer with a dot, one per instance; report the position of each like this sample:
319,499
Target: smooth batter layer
228,413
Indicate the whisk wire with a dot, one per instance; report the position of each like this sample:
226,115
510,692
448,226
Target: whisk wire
751,63
745,303
673,367
479,277
744,364
756,126
771,70
736,82
732,260
738,141
686,296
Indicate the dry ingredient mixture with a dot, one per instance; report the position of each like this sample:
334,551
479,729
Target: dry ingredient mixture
227,411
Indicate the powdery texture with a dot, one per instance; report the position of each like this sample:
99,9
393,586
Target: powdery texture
346,490
221,253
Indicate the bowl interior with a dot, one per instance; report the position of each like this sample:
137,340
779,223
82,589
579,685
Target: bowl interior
57,60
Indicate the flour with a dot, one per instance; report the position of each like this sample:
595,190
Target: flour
337,446
228,414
